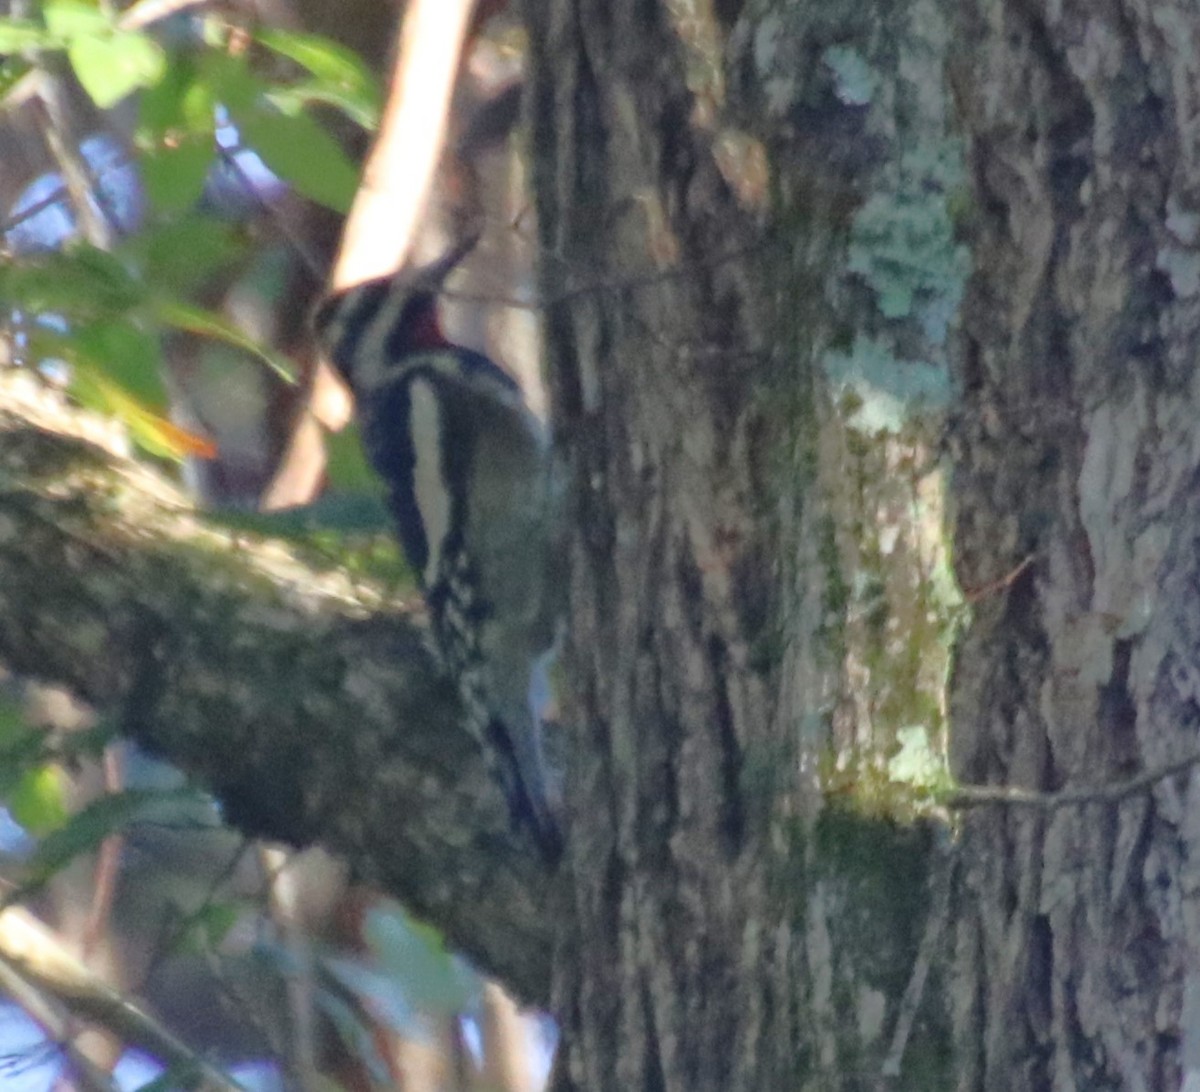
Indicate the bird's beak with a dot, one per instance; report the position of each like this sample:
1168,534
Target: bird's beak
435,274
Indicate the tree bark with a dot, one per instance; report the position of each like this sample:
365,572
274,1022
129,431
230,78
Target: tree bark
1076,454
672,578
695,192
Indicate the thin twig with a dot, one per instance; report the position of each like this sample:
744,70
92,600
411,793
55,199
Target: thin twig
29,949
108,863
974,595
91,213
172,933
308,257
56,1027
975,796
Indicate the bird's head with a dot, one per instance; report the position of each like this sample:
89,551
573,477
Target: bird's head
370,328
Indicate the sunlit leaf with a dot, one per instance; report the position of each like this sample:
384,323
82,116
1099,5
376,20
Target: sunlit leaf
109,62
67,19
112,66
292,100
116,366
329,60
302,153
18,34
127,356
196,320
342,80
150,430
38,800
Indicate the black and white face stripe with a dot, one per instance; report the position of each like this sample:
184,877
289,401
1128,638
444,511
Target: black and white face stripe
341,320
357,329
366,332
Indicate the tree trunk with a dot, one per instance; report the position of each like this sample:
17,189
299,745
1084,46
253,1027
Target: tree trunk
670,920
721,929
1076,453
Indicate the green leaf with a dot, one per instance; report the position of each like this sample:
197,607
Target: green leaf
177,135
341,78
203,930
126,355
22,746
229,80
18,34
68,19
109,62
83,282
183,253
359,514
215,919
298,97
196,320
347,463
174,175
12,71
112,66
38,801
87,743
324,58
181,100
302,153
151,431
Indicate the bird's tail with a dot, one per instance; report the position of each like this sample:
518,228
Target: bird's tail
509,731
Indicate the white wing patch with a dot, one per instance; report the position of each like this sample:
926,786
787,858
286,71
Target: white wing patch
430,489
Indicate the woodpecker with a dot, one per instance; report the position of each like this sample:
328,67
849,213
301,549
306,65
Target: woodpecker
470,484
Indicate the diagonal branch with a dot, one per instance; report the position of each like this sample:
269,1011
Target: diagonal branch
308,704
30,956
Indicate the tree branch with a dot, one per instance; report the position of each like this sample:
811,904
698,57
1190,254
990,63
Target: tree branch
310,705
31,953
